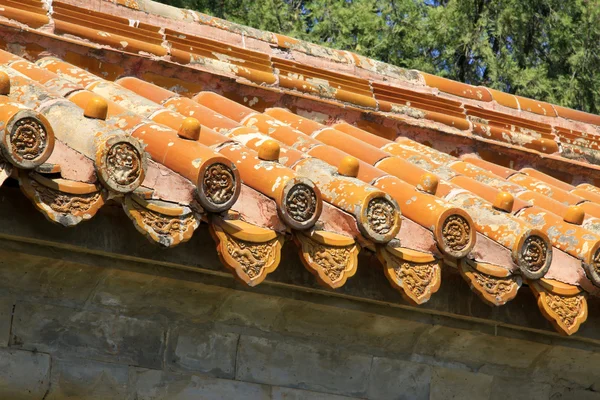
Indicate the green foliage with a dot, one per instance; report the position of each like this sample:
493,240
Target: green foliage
544,49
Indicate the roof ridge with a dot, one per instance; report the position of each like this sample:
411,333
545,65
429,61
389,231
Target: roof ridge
445,85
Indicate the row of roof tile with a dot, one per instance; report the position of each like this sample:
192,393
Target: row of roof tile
76,141
326,73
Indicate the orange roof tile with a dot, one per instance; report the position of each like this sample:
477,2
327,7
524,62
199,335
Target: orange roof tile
192,119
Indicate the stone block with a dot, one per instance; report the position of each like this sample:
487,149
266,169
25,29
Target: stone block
282,393
398,380
24,375
153,297
299,365
160,385
250,310
56,281
562,365
101,336
196,349
573,394
519,389
339,326
476,349
87,379
448,384
6,308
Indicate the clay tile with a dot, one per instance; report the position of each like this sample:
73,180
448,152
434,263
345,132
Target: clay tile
349,167
504,201
269,151
190,129
574,215
4,84
96,108
428,183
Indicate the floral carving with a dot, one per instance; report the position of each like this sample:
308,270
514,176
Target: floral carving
493,290
301,202
381,215
416,281
166,230
28,139
123,163
219,183
456,233
332,264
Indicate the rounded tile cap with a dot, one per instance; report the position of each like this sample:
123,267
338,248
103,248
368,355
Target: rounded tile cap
428,183
349,167
4,84
269,151
190,129
96,108
574,215
504,201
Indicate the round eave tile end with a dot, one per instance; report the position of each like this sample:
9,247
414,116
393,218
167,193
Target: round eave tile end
379,218
301,205
219,186
533,254
27,140
121,163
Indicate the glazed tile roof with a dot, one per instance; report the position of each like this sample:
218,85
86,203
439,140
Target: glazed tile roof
184,119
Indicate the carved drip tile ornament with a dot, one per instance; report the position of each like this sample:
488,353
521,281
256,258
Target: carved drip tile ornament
250,252
415,274
565,306
494,285
65,202
163,223
331,257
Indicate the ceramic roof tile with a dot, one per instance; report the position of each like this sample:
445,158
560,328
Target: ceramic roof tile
302,123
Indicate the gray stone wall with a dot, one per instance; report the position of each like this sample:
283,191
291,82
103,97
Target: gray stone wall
75,330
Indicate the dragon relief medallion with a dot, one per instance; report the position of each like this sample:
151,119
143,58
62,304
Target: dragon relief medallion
219,183
456,233
381,215
123,163
301,202
28,139
533,253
